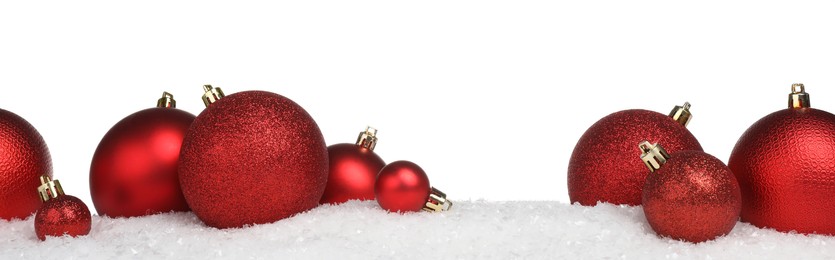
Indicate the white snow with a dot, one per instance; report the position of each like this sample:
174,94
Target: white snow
361,230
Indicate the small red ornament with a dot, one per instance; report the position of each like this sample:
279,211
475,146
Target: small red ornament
60,214
690,195
353,169
403,186
23,158
252,157
134,169
603,165
785,165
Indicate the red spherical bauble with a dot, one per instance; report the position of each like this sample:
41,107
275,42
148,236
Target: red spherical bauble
403,186
353,169
603,165
23,157
785,165
252,157
60,214
690,196
134,169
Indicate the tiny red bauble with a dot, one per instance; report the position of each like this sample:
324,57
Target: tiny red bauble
23,158
785,165
252,157
603,165
353,169
690,195
403,186
134,169
60,214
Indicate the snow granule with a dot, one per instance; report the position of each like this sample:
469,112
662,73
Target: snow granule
361,230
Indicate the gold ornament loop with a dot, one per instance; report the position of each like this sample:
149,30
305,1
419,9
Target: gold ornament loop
653,155
437,201
368,138
167,100
49,188
212,94
681,114
799,98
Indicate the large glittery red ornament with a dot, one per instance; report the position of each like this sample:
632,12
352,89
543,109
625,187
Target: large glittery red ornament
60,214
690,196
23,158
252,157
353,169
403,186
785,165
134,169
603,166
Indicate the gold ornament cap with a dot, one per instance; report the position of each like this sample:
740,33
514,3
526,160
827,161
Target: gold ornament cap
49,188
212,94
368,138
799,98
681,114
167,100
653,155
437,201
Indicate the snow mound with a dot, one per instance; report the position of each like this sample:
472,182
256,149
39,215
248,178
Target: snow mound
361,230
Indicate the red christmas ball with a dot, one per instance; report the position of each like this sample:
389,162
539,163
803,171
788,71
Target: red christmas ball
785,165
252,157
23,157
692,197
353,170
134,169
402,186
60,214
603,166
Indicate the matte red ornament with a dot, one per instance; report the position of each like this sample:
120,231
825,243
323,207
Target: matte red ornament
353,169
252,157
690,195
23,158
603,165
403,186
60,214
785,165
134,169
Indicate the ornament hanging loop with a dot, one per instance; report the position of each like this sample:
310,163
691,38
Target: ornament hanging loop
167,100
799,98
653,155
368,138
212,94
437,201
681,114
49,188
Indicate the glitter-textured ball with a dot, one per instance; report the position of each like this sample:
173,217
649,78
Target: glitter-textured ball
64,215
252,157
604,165
692,197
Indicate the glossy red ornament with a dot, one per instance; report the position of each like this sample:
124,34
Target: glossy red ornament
603,166
23,158
690,196
353,169
252,157
60,214
785,165
134,169
403,186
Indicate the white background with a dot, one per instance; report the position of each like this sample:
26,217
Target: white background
489,97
